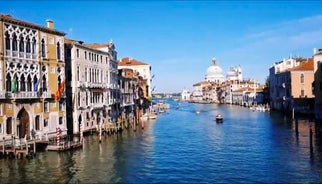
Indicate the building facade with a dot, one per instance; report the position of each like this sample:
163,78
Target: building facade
32,80
142,69
93,91
291,84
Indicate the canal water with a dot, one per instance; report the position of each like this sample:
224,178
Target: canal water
181,146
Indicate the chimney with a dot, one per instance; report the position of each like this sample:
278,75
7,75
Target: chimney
50,24
314,51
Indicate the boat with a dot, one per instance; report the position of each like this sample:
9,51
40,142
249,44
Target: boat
219,118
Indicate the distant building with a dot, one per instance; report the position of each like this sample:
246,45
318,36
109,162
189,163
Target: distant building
185,95
235,73
139,68
214,73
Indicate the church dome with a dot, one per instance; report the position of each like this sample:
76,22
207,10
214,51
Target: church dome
215,73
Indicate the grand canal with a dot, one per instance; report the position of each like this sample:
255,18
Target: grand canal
181,146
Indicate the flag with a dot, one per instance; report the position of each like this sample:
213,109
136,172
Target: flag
36,85
60,90
14,86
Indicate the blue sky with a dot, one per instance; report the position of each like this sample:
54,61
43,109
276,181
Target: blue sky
179,38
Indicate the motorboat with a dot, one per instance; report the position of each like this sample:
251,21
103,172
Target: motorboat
219,118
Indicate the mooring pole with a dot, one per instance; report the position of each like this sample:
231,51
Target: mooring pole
311,137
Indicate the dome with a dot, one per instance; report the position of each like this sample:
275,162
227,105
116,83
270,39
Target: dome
215,73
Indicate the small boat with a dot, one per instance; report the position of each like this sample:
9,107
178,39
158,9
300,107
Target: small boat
219,118
197,112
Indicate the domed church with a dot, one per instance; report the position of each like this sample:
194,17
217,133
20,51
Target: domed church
215,73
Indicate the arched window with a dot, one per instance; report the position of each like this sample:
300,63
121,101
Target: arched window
14,42
22,84
44,83
7,41
58,51
8,83
33,50
302,78
43,48
21,44
28,47
29,83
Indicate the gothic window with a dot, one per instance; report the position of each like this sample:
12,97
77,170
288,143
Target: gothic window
58,51
29,83
44,83
33,45
22,84
14,42
21,44
36,83
28,49
43,48
8,83
7,41
77,53
85,53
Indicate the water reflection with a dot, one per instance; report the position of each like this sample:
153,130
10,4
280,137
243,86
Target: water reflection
184,147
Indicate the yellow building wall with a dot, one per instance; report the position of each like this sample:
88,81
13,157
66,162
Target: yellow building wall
9,109
297,86
38,107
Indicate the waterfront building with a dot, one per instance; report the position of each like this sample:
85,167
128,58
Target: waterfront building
317,85
128,81
185,95
291,86
248,96
92,85
142,69
204,92
32,80
215,73
228,88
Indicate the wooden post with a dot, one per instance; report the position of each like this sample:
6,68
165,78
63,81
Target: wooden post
3,144
296,126
311,137
100,133
34,147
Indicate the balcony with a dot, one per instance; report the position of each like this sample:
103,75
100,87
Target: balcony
2,94
46,94
25,94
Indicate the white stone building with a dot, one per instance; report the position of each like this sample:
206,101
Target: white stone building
92,85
